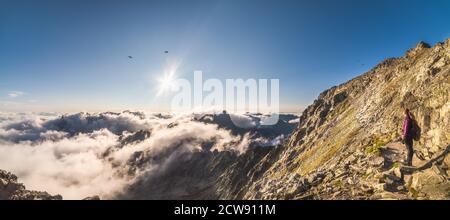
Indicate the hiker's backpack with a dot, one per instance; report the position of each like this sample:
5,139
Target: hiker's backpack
415,130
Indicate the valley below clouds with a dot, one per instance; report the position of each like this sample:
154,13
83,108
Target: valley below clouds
113,154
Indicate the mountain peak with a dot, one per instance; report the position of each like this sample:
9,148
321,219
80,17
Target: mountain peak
422,45
418,48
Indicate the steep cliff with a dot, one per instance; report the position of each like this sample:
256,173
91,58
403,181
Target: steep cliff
347,143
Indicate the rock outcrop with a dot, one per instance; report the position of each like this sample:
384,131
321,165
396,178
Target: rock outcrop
13,190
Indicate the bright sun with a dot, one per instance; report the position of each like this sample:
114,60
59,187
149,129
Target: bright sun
166,81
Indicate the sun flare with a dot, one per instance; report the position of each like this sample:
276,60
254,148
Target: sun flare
167,80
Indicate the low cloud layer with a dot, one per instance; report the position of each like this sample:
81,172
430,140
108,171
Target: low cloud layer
85,154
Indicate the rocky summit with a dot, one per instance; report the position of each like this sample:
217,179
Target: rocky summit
347,145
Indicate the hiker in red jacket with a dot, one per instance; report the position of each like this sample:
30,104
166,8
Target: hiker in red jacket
408,136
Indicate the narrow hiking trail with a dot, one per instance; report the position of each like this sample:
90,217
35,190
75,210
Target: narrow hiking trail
402,181
376,175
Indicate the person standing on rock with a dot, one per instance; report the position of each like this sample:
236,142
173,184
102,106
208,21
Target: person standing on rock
408,137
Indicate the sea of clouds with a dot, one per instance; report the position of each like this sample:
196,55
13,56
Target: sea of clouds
81,155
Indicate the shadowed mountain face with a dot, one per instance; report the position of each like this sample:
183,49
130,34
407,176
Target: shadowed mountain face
197,175
346,144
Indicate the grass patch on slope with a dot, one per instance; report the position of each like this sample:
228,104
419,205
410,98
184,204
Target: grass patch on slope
340,135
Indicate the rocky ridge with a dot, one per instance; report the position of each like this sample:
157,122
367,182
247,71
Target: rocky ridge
347,143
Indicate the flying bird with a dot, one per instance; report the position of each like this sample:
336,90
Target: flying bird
130,57
166,51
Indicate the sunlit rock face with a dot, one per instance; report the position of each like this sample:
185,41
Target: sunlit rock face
351,125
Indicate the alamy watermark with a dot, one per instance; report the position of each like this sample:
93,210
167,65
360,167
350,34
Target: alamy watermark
236,96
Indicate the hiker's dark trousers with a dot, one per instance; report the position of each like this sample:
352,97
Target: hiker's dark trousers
410,150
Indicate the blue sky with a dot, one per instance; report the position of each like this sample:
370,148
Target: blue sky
72,55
